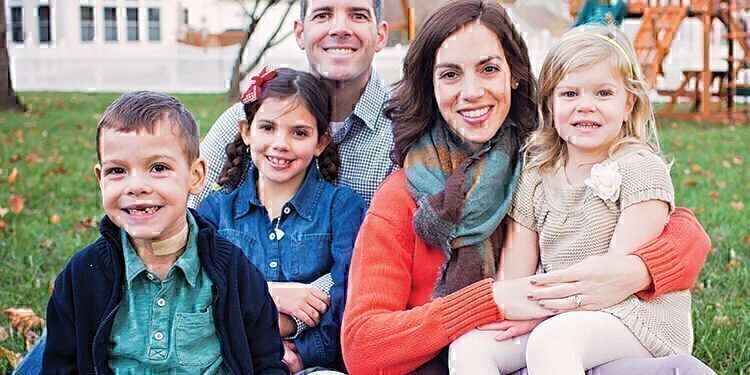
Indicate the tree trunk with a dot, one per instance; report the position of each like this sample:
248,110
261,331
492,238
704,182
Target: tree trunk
8,98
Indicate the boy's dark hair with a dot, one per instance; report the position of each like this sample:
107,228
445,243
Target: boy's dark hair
309,92
377,6
413,108
141,110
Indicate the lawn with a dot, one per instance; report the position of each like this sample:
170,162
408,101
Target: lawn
52,149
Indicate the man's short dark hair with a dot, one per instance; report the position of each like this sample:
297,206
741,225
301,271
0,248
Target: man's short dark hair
377,6
142,110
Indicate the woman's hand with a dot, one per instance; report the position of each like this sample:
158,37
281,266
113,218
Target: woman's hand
305,302
509,329
511,296
291,357
599,282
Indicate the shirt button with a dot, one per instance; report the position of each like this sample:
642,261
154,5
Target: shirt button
158,336
287,210
150,276
161,302
272,236
273,264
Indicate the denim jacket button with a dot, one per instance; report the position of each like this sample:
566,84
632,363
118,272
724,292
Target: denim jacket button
158,336
287,210
272,236
273,264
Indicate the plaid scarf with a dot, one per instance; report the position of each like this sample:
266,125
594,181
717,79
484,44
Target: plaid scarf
463,195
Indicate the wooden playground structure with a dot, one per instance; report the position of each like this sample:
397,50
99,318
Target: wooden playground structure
712,93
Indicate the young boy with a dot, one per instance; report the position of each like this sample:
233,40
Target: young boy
159,291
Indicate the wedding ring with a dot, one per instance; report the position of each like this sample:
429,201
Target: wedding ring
577,300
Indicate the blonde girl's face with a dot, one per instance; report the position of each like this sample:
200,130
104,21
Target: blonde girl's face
589,107
283,139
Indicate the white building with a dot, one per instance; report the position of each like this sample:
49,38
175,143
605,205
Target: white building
122,45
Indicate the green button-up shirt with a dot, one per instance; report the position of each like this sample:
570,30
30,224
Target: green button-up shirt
166,326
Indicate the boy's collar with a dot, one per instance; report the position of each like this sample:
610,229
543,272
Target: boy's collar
303,201
188,262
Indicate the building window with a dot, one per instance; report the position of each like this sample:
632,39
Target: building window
87,24
131,15
16,22
45,27
154,24
110,24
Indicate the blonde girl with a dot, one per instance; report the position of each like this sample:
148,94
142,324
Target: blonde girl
593,184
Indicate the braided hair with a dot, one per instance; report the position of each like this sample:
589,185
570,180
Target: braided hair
287,83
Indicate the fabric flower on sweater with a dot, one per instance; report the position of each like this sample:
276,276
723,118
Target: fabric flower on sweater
605,180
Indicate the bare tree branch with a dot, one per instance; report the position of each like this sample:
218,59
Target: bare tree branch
244,9
270,42
255,17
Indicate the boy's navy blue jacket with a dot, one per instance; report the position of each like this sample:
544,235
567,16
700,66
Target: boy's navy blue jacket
88,292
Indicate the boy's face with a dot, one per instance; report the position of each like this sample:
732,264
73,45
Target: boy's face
145,180
340,38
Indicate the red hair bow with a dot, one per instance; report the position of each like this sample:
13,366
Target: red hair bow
253,92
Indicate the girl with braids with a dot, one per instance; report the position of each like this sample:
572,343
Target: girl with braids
278,205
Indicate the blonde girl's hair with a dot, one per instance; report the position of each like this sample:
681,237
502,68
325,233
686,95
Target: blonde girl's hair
579,48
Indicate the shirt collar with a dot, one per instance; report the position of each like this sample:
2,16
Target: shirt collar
303,202
369,107
188,262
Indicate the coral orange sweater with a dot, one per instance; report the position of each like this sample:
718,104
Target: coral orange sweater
391,324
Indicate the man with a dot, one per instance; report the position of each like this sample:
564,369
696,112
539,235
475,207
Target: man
340,39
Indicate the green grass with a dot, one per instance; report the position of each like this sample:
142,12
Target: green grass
52,146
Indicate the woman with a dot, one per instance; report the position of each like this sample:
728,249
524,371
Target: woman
422,268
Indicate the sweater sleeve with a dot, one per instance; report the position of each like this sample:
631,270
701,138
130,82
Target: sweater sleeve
320,345
60,356
675,259
380,333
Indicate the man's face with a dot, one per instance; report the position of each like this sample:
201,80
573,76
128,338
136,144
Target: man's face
340,38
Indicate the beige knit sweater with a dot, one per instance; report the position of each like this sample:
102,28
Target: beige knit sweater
573,223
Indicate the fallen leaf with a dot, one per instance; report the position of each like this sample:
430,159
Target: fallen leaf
31,338
12,357
726,164
16,204
3,211
46,243
85,224
31,159
696,168
722,320
746,240
732,265
23,318
3,334
13,177
737,160
714,250
714,194
737,206
689,182
54,219
3,225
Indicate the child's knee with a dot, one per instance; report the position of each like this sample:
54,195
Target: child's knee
472,345
548,339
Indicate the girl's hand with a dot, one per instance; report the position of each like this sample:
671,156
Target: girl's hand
599,282
291,357
305,302
511,296
511,328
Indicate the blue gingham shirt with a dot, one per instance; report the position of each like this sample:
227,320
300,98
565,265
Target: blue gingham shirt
364,142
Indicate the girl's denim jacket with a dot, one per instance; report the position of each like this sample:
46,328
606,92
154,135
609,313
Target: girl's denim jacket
319,225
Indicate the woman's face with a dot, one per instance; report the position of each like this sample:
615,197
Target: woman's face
472,83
